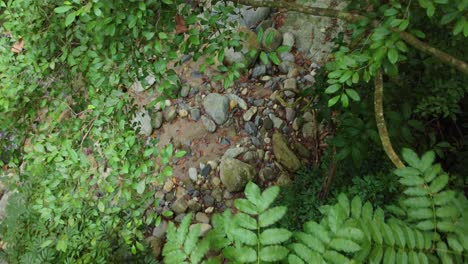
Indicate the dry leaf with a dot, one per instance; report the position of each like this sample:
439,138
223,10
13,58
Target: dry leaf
180,25
18,46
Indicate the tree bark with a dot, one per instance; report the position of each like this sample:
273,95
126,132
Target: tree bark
350,17
381,126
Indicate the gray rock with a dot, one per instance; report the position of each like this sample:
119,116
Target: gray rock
208,200
290,84
235,174
283,154
251,17
4,204
170,113
288,39
202,218
267,173
206,170
225,141
179,218
184,92
308,117
290,114
259,102
142,121
192,172
258,71
195,114
169,197
267,123
297,123
276,40
250,113
278,123
287,56
285,66
179,206
248,156
250,128
234,152
160,230
217,107
156,245
257,142
309,78
158,120
240,102
308,130
284,180
209,125
138,86
217,193
193,205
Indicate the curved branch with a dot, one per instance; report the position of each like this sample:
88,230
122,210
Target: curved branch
350,17
379,118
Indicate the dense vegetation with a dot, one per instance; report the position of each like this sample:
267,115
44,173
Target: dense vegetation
85,178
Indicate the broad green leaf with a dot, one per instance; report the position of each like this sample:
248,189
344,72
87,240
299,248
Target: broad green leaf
192,238
376,254
426,160
264,57
444,197
273,253
344,245
271,216
420,213
304,252
140,188
344,100
410,157
245,206
62,9
447,211
274,58
416,191
245,221
398,234
70,18
407,172
310,241
375,231
333,88
253,193
417,202
411,181
101,206
333,101
389,256
454,244
274,236
356,206
245,236
343,201
387,234
439,183
426,225
353,94
367,211
317,230
350,233
334,257
293,259
392,55
268,197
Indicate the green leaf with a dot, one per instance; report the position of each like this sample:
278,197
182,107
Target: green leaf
274,58
356,206
420,213
274,236
344,100
141,187
268,197
246,254
426,161
333,88
162,35
416,191
253,194
245,236
444,197
70,18
264,57
344,245
439,183
192,238
101,206
392,55
245,221
311,241
343,201
305,253
271,216
245,206
317,230
417,202
411,157
353,94
46,243
62,244
333,101
180,153
447,211
334,257
273,253
426,225
62,9
293,259
406,172
282,49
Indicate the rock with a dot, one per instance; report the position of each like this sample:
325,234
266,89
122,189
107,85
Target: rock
209,210
232,104
217,195
267,173
225,141
160,230
302,150
308,117
180,192
158,120
206,170
297,123
258,71
288,39
184,92
309,78
213,164
259,102
283,154
4,204
142,121
235,174
290,84
285,66
156,244
283,180
250,17
256,141
209,125
234,152
287,56
275,40
240,102
308,130
179,218
250,128
290,114
179,206
267,123
217,106
248,43
192,172
195,114
267,140
138,87
278,123
183,113
170,113
216,181
194,206
248,156
202,218
204,228
168,185
250,113
208,200
169,197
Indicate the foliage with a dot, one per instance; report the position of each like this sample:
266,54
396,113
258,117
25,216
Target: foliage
427,226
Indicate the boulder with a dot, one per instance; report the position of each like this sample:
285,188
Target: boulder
217,107
235,174
283,154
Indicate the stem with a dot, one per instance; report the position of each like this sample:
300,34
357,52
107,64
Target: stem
379,118
350,17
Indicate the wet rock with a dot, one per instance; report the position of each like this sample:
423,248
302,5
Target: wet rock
193,205
217,194
234,152
256,141
142,121
288,39
308,130
250,17
216,182
283,154
250,128
302,150
140,86
235,174
276,40
278,123
179,206
160,230
209,125
240,102
158,120
225,141
217,106
285,66
195,114
308,116
170,113
180,192
250,113
258,71
259,102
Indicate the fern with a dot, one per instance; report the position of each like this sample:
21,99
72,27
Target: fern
183,244
248,236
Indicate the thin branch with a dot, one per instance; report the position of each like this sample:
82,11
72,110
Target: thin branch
381,126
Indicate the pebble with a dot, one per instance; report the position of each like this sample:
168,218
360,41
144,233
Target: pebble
258,71
278,123
290,114
250,113
217,195
308,130
234,152
267,173
209,210
158,120
248,156
250,128
170,113
180,192
265,78
193,91
183,113
179,206
168,185
195,114
308,116
202,218
192,172
208,124
240,102
297,123
290,84
256,142
225,141
194,205
288,39
267,140
196,74
213,164
267,155
206,170
287,56
309,78
259,102
232,104
267,123
160,230
184,92
216,181
244,91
